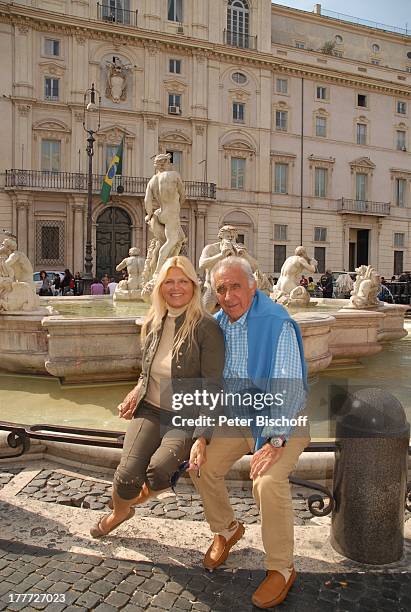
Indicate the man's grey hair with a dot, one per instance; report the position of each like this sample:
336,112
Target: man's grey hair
233,262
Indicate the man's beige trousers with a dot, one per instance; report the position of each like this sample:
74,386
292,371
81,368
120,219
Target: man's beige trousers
271,492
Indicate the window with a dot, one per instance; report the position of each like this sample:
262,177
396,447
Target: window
111,150
362,100
239,78
238,111
319,255
175,10
401,107
399,238
361,187
321,93
174,65
376,62
52,47
401,143
280,255
400,185
320,234
237,172
50,155
338,39
280,232
49,244
300,45
51,88
398,262
174,104
281,120
321,126
375,48
238,23
320,190
176,160
117,11
281,86
241,238
281,178
361,133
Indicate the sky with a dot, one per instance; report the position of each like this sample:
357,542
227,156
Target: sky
392,12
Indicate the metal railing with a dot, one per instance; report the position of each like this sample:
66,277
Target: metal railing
365,22
238,39
319,504
363,207
116,14
77,181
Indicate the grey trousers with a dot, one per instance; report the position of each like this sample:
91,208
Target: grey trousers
152,451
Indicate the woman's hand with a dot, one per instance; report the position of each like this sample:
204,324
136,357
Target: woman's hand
198,454
127,407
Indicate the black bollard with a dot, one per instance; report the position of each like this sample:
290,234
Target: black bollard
370,478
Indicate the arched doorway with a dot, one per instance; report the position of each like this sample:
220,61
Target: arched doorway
113,239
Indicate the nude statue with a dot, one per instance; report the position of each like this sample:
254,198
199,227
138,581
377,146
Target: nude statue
288,285
17,289
134,265
366,289
215,252
164,196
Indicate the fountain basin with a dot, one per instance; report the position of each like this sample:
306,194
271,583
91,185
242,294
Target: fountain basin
87,349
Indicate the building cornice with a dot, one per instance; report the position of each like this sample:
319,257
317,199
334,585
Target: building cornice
27,17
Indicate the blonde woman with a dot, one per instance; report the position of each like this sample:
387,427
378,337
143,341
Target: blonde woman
179,341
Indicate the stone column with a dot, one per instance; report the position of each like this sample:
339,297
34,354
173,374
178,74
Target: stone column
22,209
200,216
78,206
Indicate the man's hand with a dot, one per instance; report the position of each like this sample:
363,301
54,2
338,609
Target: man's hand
263,459
198,454
127,407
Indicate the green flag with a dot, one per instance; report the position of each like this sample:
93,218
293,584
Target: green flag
115,167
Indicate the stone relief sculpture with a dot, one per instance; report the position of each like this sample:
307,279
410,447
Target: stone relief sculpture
130,289
117,78
164,197
288,291
215,252
17,290
366,288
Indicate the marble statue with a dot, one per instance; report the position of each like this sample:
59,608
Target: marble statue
117,75
17,289
164,197
215,252
130,289
344,285
366,289
288,290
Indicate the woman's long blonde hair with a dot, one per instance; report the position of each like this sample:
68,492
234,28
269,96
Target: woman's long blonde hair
158,306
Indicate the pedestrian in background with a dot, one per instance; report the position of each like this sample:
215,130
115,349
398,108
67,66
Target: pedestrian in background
97,287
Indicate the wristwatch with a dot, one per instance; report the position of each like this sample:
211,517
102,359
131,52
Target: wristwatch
277,442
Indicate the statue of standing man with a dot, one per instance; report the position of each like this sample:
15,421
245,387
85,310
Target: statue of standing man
164,196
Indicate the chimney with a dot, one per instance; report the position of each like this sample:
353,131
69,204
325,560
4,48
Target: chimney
317,9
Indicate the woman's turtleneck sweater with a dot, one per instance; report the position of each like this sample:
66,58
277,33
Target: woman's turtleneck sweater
160,373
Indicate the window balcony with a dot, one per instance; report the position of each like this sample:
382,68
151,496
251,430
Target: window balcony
363,207
116,14
41,180
238,39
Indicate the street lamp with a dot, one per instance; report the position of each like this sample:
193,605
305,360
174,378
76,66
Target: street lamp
90,106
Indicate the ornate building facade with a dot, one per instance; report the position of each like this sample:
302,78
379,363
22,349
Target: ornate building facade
291,125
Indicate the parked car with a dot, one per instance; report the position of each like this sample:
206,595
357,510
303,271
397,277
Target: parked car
38,282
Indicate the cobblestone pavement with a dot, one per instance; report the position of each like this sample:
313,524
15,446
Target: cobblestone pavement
53,486
87,582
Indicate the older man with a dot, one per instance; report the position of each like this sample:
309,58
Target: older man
263,344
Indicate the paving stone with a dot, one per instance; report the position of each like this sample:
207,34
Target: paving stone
164,600
102,587
141,599
103,607
89,600
117,600
175,514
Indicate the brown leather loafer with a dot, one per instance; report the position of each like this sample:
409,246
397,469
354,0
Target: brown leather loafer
273,589
220,548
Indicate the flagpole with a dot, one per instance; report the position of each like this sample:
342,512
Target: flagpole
87,108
